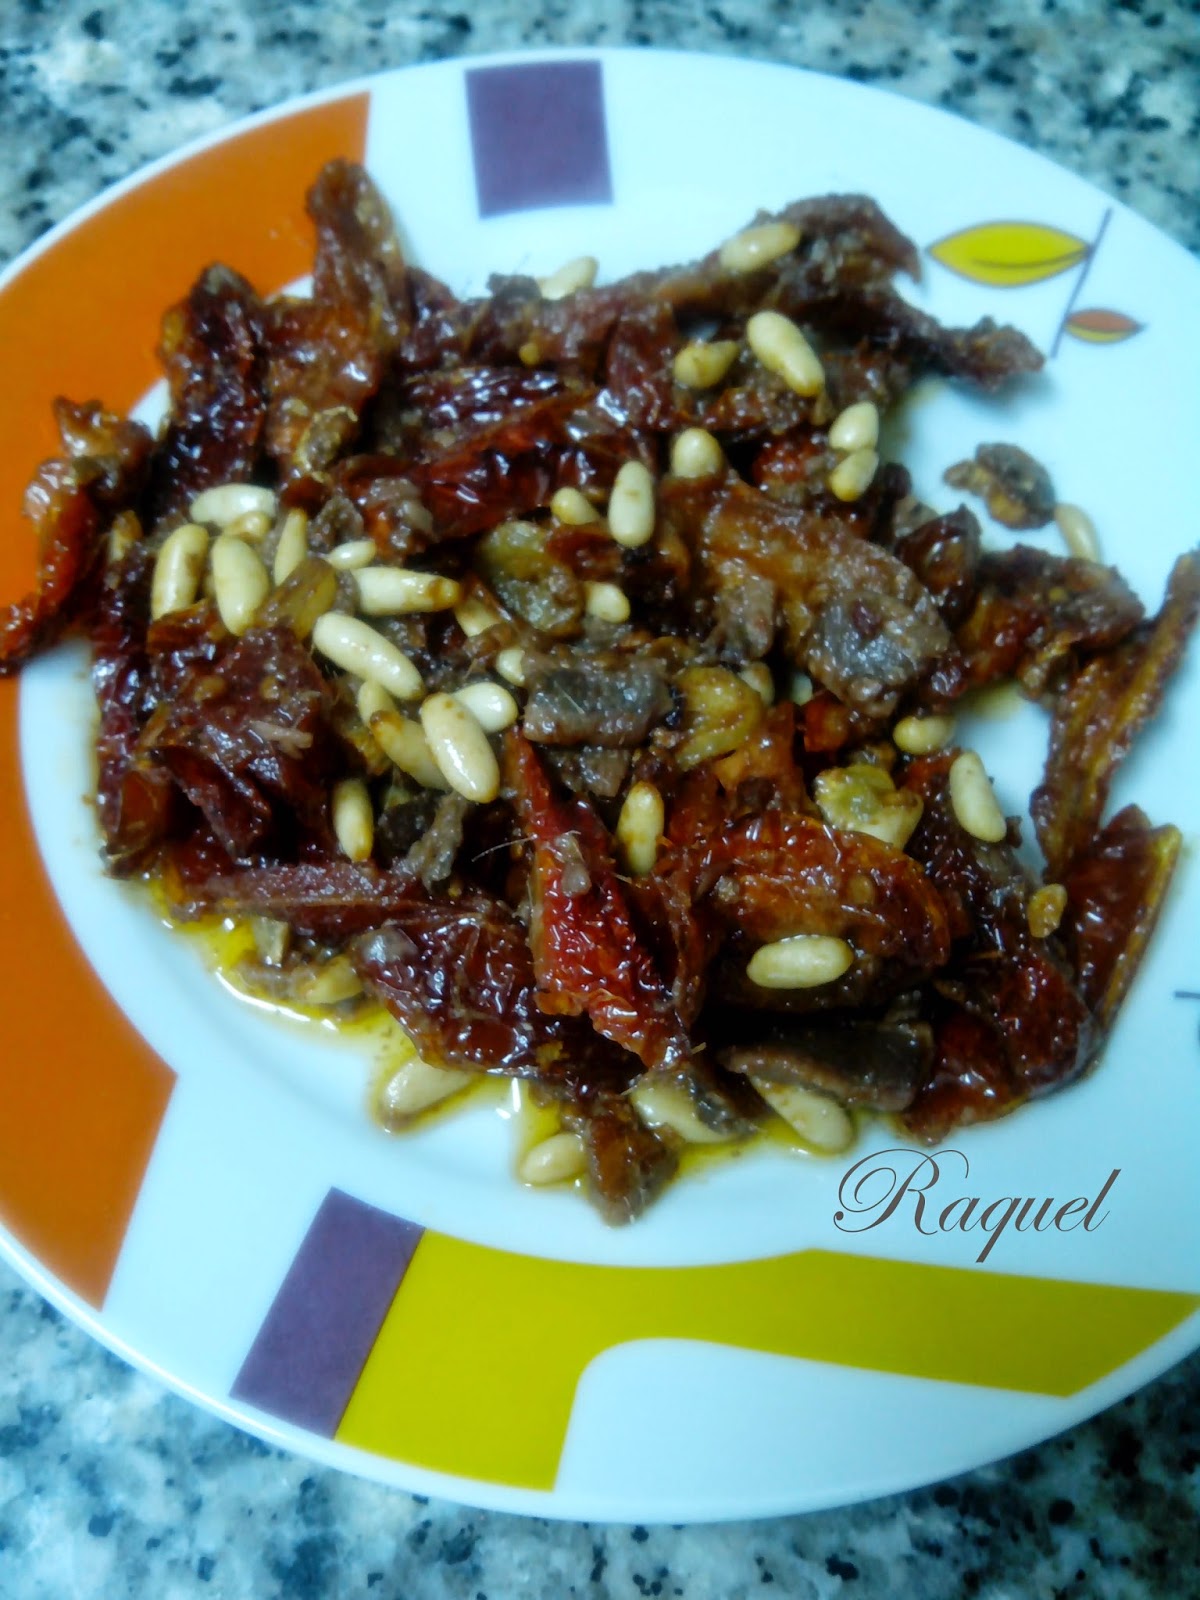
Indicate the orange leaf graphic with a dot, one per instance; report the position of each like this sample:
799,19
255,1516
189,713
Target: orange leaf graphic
1009,255
1102,327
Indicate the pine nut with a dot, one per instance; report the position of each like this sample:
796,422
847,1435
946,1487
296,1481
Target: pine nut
804,961
459,745
252,526
700,366
639,828
394,592
973,799
696,454
631,506
921,736
573,507
800,690
372,699
1078,531
607,602
662,1104
353,818
240,580
474,617
415,1087
404,743
292,548
510,664
578,273
356,647
1045,909
820,1120
229,501
178,568
352,555
856,428
782,348
852,475
493,708
557,1159
759,246
758,676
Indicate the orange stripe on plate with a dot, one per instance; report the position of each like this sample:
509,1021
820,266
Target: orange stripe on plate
81,1096
83,319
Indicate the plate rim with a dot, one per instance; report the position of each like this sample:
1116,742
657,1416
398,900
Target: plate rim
1158,1357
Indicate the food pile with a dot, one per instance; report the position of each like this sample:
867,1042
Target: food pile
565,670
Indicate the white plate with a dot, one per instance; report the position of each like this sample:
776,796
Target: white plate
218,1208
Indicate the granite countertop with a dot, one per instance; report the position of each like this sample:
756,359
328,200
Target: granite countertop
110,1486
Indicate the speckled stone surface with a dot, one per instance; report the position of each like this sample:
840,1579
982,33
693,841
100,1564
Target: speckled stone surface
92,92
111,1487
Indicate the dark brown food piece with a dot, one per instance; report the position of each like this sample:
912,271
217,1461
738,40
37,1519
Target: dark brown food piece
590,769
879,1065
212,351
135,797
1100,713
248,739
970,1081
512,468
851,614
1030,1028
682,936
1036,615
325,356
459,977
1016,488
838,281
627,1163
776,875
587,956
945,554
71,503
432,856
1115,890
331,902
604,699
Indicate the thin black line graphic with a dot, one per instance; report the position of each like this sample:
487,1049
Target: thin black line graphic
1080,281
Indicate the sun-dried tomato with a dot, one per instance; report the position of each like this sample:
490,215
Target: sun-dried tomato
71,502
587,954
1099,714
212,350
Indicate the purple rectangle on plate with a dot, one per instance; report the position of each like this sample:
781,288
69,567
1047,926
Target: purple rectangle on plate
314,1343
538,136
